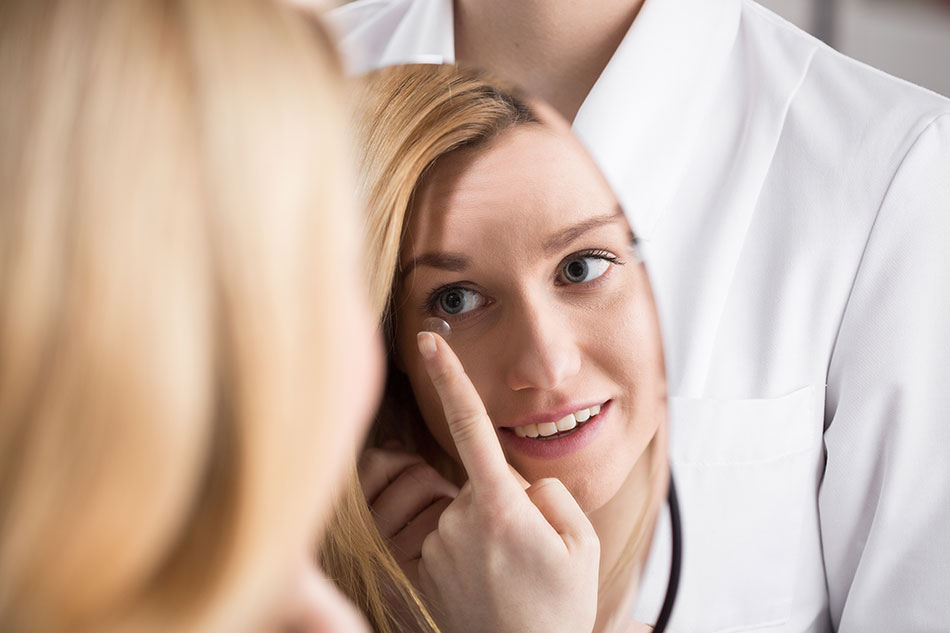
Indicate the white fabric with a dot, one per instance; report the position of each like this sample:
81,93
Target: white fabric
794,207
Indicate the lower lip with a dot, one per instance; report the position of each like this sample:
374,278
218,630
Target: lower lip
559,447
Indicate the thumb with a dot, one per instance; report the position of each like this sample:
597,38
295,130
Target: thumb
561,511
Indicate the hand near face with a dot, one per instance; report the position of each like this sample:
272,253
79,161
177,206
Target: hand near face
504,557
407,496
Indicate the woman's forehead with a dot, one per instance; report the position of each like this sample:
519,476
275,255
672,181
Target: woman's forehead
530,181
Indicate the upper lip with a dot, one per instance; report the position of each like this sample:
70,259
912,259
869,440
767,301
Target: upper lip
553,415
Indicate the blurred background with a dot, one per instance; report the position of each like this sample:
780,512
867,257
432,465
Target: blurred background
906,38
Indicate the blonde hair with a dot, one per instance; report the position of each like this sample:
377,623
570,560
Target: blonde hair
172,197
409,117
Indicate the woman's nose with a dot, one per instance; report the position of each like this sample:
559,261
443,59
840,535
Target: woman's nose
542,350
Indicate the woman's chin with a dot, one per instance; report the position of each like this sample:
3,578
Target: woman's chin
592,488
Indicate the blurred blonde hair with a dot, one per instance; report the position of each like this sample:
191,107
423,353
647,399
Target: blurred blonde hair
173,207
408,117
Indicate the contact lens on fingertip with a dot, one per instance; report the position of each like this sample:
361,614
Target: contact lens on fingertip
438,326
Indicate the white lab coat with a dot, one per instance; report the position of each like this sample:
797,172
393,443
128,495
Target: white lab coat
794,207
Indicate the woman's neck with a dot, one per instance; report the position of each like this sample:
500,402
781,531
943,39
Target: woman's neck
554,49
625,515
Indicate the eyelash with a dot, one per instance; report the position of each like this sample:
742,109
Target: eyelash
432,300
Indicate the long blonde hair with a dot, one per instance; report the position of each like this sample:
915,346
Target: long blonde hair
172,199
408,117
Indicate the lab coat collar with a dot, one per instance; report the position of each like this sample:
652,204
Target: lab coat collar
398,32
425,36
642,118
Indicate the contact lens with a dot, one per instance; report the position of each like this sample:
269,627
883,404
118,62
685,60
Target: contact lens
438,326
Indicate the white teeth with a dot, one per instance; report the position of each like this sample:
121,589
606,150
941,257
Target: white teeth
528,430
566,423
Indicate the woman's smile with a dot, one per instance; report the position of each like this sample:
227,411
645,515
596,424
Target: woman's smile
553,439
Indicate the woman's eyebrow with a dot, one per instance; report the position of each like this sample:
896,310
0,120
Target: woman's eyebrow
567,235
455,262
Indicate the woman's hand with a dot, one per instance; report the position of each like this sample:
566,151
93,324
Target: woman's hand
406,496
505,557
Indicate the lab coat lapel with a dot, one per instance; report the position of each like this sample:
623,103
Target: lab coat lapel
408,32
642,116
424,36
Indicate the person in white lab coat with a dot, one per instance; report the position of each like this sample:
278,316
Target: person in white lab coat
794,207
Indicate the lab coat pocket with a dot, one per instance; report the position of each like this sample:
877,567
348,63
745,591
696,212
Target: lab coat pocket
745,472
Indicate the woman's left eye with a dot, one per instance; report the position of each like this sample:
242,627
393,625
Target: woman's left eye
579,269
455,301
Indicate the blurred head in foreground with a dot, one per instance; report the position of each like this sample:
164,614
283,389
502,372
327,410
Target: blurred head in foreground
182,316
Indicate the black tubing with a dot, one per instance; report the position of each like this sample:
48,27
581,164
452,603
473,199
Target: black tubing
676,560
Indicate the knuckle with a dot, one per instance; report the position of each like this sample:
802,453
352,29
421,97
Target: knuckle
445,521
423,474
550,484
430,546
370,460
465,423
449,519
374,460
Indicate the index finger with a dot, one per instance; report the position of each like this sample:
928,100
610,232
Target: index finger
472,430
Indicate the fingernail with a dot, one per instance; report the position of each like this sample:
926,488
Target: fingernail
426,342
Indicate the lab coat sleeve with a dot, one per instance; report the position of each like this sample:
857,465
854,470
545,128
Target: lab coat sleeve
884,500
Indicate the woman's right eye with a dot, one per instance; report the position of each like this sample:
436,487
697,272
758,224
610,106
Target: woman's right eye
456,301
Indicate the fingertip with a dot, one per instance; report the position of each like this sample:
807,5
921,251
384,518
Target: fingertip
426,343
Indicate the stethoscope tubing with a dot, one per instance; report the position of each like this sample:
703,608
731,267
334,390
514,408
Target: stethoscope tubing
676,560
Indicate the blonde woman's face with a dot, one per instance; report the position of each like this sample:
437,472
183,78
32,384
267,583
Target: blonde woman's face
522,248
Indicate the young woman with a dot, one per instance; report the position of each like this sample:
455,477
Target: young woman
485,213
178,372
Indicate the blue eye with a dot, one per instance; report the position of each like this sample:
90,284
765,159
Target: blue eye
455,301
579,269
